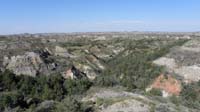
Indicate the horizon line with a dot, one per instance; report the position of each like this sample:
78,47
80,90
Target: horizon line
81,32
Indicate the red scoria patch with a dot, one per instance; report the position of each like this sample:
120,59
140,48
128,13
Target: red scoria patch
168,84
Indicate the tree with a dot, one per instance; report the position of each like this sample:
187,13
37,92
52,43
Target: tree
9,99
76,86
8,80
190,95
69,104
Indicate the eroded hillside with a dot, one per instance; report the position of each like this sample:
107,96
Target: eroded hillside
152,72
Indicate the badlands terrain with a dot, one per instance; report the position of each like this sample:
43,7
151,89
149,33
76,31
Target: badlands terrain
100,72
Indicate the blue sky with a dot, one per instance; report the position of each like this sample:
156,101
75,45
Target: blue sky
40,16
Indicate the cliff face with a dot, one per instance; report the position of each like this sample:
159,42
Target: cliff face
30,64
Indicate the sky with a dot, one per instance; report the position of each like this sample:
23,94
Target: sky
61,16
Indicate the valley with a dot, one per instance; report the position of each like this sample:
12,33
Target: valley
100,72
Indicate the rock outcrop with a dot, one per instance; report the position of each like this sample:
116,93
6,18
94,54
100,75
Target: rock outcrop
118,100
45,106
184,61
128,105
88,70
60,51
73,73
189,73
29,64
167,62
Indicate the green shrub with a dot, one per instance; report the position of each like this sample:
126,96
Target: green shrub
190,95
42,88
133,68
9,100
76,86
8,80
176,100
155,92
69,104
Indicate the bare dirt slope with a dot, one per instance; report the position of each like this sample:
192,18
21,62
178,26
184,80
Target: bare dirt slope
183,61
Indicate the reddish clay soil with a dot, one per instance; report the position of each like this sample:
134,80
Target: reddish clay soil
168,84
